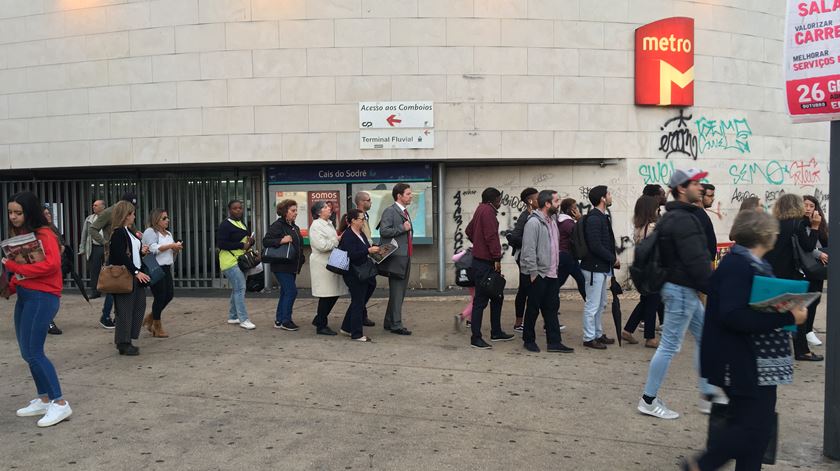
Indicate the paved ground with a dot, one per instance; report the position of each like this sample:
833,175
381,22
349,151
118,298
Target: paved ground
217,397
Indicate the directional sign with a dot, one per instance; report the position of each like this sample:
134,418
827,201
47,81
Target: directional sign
397,139
396,114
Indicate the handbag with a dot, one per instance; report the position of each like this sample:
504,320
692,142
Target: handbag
286,253
114,279
718,420
366,271
805,261
248,260
153,269
492,284
339,262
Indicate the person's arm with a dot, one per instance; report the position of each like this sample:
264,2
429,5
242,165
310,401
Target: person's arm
515,236
690,240
528,253
85,236
120,251
594,228
274,235
223,236
391,224
490,231
356,250
735,312
48,266
101,222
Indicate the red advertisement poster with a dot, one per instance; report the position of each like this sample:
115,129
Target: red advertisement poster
665,63
812,60
331,197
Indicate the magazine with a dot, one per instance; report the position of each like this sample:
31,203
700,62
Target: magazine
384,251
23,249
785,302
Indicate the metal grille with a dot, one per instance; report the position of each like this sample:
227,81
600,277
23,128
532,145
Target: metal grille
196,204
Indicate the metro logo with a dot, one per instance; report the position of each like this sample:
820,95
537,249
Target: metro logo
665,63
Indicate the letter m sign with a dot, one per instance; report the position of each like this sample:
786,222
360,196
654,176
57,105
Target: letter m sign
665,63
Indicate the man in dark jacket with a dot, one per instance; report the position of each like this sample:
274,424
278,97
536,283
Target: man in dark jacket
706,201
514,237
483,232
685,255
597,266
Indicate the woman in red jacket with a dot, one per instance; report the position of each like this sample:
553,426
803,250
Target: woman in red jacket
38,286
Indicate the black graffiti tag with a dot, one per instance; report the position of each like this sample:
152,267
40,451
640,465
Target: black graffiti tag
459,220
678,140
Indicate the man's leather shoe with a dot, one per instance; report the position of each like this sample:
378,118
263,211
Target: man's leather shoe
595,344
401,331
606,340
386,326
559,348
368,323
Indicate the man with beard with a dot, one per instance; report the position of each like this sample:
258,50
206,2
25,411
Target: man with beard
597,266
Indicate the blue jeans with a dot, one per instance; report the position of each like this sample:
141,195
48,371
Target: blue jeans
237,295
683,311
288,294
107,307
34,310
596,301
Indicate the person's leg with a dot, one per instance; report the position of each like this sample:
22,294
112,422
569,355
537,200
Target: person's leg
108,306
550,307
170,286
288,293
159,293
36,313
397,292
636,316
651,305
122,318
467,312
520,303
97,252
594,298
232,310
480,301
813,287
599,314
325,305
357,299
800,342
579,278
138,303
536,294
237,297
695,325
496,316
677,319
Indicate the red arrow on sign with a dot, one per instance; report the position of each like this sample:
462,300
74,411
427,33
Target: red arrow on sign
393,119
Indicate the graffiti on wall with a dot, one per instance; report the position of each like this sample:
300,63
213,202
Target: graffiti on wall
458,218
771,172
723,134
805,173
656,173
677,137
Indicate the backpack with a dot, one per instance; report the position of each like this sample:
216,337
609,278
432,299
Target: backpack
647,271
579,248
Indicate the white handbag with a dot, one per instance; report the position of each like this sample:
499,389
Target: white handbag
339,262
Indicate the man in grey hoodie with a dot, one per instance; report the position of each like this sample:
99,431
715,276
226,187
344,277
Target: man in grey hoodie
539,261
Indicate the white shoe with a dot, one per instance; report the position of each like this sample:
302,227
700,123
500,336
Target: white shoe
55,414
233,321
704,406
657,409
35,407
813,340
562,328
247,325
344,332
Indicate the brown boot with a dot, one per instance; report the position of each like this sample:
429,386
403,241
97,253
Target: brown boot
157,330
147,322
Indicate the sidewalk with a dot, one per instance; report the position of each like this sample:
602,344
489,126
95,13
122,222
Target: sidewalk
214,396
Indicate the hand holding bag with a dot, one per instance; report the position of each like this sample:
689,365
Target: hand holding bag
152,268
492,284
366,271
114,279
285,253
248,260
339,262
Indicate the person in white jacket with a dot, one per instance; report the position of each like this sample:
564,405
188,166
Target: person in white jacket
326,285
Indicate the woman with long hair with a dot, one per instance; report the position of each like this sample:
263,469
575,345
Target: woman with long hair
812,205
567,218
163,245
285,231
790,211
127,250
326,285
38,287
645,216
357,246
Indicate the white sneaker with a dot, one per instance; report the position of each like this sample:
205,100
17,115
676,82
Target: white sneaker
704,406
813,340
657,409
247,325
233,321
55,414
35,407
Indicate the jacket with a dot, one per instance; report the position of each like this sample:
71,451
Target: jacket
99,231
323,239
483,232
709,230
231,242
391,227
86,244
276,232
730,323
514,237
535,259
683,248
600,242
566,225
120,250
44,276
781,257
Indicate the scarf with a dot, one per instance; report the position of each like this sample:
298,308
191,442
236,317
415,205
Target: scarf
773,360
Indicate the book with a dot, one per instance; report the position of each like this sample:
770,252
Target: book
23,250
384,251
780,295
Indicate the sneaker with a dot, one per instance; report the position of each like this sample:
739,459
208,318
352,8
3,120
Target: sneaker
55,414
501,337
468,323
288,325
532,347
247,325
561,328
704,406
35,407
107,323
325,331
480,343
518,328
54,330
233,321
344,332
657,409
813,340
559,348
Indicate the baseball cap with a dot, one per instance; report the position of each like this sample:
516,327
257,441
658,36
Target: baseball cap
681,177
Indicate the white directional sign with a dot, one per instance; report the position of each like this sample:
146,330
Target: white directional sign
396,114
397,139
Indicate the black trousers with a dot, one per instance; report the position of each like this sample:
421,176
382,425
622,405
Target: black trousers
800,342
128,314
645,311
747,433
97,253
325,305
163,292
544,298
360,293
480,300
570,267
521,300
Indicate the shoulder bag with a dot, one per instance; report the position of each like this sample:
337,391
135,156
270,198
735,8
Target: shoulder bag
286,253
805,261
114,279
339,261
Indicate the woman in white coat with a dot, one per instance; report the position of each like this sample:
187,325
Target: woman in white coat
326,285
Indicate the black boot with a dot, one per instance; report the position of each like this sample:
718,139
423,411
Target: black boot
54,330
128,349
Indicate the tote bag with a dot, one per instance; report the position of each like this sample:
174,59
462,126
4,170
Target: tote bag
339,262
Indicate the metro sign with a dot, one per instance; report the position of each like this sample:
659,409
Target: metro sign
665,63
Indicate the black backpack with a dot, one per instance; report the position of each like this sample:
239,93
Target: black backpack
647,271
579,247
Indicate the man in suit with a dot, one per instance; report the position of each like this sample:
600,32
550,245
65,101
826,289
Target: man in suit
363,203
396,224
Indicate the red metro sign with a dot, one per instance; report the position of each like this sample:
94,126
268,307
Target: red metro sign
665,63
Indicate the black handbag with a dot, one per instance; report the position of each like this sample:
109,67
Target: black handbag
805,261
286,253
248,260
491,284
366,271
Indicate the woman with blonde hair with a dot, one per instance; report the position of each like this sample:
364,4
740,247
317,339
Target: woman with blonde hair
127,250
163,245
790,212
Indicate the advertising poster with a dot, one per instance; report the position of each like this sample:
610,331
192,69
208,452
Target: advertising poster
330,197
300,197
812,60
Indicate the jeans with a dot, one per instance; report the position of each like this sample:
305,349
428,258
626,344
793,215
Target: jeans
596,301
570,267
288,294
544,297
521,300
645,311
237,295
683,311
163,292
107,307
34,310
479,269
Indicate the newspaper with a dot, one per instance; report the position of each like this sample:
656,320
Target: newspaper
384,251
785,302
23,250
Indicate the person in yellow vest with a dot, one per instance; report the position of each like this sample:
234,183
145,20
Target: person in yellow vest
233,238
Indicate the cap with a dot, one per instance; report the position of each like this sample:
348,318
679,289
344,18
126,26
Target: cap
681,177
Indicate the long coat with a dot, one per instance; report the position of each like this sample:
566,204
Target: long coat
322,240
